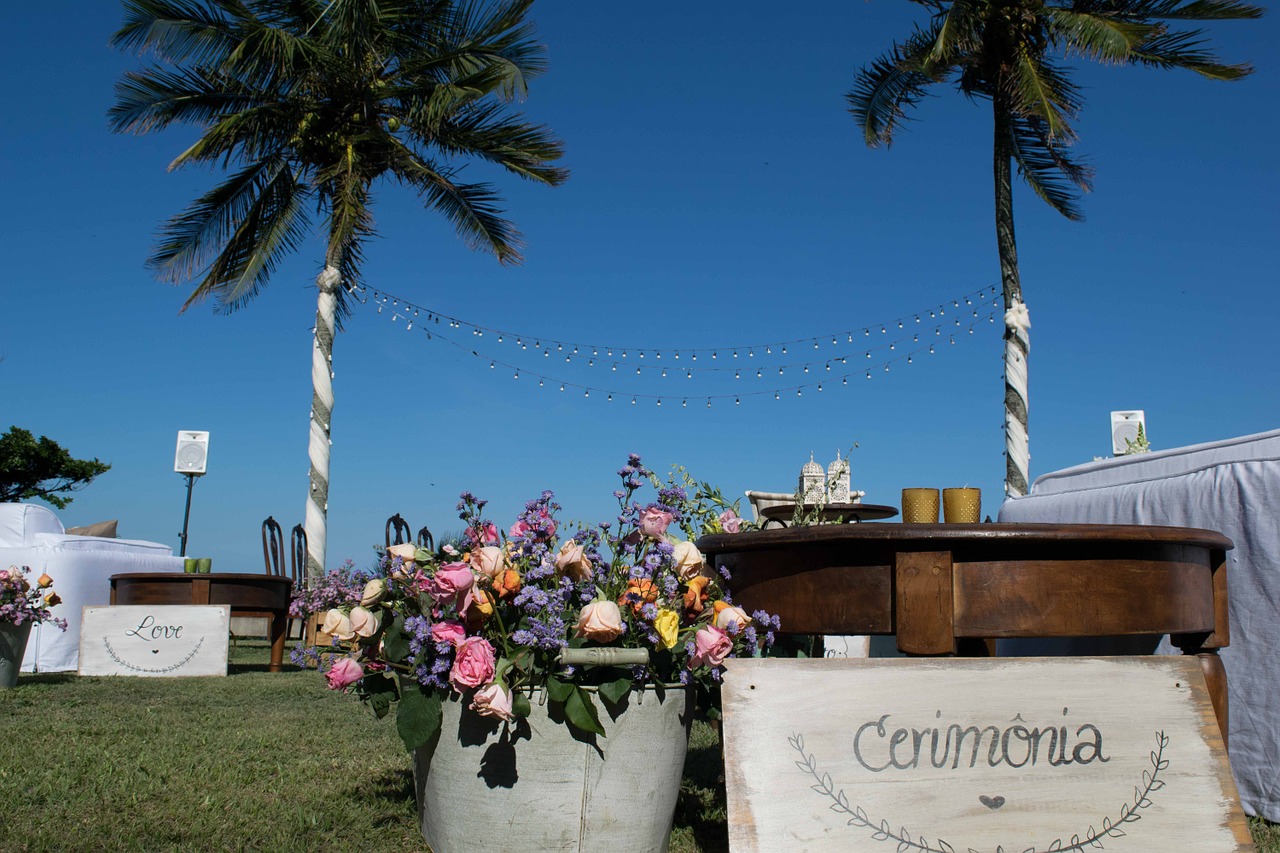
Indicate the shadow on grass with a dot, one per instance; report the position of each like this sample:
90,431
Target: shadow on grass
701,808
48,677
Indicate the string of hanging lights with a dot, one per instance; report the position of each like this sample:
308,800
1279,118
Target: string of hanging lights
822,372
417,316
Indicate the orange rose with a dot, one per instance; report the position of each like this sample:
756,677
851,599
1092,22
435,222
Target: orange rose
480,610
695,596
639,592
45,582
506,584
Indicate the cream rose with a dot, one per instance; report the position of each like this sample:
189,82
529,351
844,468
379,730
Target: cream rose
489,560
374,591
573,561
688,561
600,621
730,617
364,623
338,624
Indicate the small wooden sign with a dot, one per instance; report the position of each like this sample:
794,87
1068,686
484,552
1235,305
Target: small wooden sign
1006,755
155,641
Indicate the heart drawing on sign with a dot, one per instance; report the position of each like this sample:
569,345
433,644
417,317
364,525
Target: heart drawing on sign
992,803
155,651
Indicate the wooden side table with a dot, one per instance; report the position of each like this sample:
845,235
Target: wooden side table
248,595
944,589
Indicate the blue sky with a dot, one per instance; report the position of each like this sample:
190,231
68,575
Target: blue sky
720,197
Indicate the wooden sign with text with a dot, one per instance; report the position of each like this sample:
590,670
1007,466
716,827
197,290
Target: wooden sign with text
160,640
1012,755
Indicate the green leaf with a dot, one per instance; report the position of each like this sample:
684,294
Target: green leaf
559,691
381,692
394,640
520,705
613,692
580,711
418,718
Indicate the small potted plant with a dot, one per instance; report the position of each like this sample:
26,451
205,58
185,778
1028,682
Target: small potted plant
548,672
22,604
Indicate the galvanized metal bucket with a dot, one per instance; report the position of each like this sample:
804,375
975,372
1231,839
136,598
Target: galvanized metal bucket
534,785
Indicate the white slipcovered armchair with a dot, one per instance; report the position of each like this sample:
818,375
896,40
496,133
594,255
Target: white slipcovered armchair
80,567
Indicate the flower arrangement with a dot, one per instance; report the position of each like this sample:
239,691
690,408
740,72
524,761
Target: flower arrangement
340,587
20,602
616,607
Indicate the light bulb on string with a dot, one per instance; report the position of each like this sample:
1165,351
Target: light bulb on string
561,387
737,401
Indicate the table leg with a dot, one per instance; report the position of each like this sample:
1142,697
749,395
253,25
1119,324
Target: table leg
1215,677
279,626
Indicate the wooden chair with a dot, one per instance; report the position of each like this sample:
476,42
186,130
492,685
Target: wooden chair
273,547
298,555
425,541
398,528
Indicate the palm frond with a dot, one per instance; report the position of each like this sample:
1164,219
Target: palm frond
245,228
882,93
473,209
1046,167
1178,10
1186,50
1039,89
485,131
155,98
1102,38
177,30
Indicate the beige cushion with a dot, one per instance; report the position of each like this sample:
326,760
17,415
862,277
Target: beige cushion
103,529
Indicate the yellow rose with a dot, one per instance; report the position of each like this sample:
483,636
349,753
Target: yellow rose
668,627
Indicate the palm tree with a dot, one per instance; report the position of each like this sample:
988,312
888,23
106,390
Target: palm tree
1004,51
308,103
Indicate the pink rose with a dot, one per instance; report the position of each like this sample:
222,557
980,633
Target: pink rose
730,521
448,631
600,621
493,700
486,534
364,623
344,673
473,664
451,584
573,561
489,561
688,561
654,522
710,646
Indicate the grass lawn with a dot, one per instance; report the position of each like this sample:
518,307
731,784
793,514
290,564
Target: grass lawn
254,761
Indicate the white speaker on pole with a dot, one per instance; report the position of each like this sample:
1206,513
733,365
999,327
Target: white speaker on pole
1124,429
192,456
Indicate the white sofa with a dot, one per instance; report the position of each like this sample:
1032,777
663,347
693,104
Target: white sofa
80,567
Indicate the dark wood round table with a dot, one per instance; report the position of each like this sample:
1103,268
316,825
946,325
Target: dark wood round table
248,595
954,588
849,512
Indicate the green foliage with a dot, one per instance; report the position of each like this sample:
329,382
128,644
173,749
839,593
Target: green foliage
1137,444
308,105
418,716
41,468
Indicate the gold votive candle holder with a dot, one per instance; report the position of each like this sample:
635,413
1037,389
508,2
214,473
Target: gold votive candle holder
962,506
920,506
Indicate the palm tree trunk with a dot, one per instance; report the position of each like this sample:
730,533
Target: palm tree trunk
1016,342
321,417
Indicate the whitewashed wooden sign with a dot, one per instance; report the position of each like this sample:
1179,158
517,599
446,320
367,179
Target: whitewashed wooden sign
1012,755
157,641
